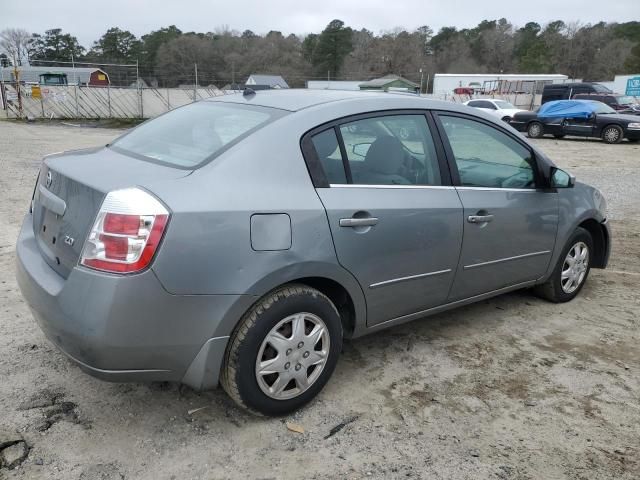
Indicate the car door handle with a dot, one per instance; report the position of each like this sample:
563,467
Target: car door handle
358,222
479,218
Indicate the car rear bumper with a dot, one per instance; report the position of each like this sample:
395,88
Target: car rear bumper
127,328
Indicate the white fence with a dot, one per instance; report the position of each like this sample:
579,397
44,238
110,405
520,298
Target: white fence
72,101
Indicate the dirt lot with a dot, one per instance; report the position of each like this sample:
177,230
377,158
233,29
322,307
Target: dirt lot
511,388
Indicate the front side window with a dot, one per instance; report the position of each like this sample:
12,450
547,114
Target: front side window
487,157
189,136
391,150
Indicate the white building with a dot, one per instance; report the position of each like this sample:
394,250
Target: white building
273,81
444,83
619,84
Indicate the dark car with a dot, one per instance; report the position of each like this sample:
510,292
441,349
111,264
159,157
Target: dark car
582,118
620,103
566,91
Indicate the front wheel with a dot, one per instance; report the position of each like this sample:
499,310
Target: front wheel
571,271
612,134
535,130
283,351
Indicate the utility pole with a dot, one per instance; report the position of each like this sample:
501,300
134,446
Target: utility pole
328,78
16,74
421,77
139,88
73,66
195,84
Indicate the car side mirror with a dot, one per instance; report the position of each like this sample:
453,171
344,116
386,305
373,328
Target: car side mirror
562,179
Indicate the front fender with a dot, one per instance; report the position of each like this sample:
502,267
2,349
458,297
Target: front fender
576,205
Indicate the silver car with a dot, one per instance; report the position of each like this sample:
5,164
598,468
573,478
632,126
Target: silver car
239,240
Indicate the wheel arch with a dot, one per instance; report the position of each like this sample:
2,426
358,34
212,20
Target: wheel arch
600,237
612,124
330,279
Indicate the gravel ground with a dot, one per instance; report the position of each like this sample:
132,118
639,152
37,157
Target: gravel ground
510,388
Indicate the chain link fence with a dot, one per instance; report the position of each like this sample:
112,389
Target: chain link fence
90,102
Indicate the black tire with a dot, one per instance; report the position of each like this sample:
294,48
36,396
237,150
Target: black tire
559,135
612,134
239,377
535,130
632,140
552,289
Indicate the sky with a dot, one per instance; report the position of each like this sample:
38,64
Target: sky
89,19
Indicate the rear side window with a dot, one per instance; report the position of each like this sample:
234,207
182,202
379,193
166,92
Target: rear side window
487,157
391,150
190,136
383,150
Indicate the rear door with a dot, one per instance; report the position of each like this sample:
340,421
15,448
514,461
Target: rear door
510,221
395,219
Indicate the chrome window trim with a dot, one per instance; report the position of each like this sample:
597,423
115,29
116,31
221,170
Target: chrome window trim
498,189
410,277
360,185
507,259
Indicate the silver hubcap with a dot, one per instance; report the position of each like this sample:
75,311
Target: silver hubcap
292,356
534,130
612,134
575,267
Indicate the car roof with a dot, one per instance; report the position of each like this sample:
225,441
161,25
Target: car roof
294,100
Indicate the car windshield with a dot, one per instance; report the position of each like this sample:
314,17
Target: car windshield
600,108
626,100
501,104
189,136
600,88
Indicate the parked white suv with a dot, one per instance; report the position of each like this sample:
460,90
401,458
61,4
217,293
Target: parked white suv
500,108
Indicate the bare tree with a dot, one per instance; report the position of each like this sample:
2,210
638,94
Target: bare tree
15,43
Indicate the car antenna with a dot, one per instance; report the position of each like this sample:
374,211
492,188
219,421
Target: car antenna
248,91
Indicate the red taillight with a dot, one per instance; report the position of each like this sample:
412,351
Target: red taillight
126,233
122,224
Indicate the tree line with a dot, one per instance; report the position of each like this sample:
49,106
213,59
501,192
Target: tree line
167,56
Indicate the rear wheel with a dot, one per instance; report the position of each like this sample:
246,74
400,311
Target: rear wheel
571,271
283,351
535,130
612,134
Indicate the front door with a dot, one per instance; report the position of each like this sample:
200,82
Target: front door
509,223
582,127
396,225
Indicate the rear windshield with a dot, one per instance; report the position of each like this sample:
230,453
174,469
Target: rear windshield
190,136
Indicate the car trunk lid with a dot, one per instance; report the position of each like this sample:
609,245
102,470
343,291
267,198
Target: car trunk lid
70,190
